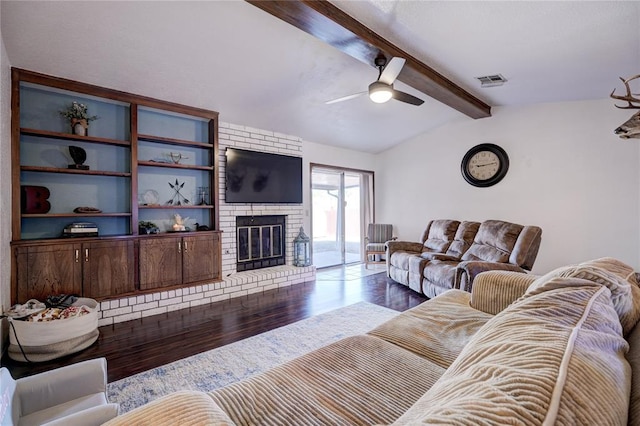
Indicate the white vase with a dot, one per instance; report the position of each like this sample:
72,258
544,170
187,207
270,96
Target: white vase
79,129
79,126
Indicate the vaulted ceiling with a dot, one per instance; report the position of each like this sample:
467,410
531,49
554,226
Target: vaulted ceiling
260,71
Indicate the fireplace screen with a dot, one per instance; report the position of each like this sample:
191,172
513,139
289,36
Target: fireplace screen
260,241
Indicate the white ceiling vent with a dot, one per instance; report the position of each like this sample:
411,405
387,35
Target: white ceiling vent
491,80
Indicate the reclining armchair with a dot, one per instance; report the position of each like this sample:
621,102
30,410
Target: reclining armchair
452,253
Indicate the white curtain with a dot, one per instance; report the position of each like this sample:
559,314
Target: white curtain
367,206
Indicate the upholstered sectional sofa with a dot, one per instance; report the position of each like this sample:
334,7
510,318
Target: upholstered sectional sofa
451,253
518,349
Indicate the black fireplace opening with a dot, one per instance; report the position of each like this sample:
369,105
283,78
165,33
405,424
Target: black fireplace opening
260,241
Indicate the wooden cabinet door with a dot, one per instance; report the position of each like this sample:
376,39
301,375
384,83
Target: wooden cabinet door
200,258
108,268
47,270
216,261
160,262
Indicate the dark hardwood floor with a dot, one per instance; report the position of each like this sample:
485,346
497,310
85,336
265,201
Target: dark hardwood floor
135,346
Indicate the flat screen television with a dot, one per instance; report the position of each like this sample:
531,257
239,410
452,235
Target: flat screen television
260,177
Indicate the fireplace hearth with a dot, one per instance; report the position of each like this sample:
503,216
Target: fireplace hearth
260,241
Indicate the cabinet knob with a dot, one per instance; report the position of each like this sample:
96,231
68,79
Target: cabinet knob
86,255
77,255
179,247
185,246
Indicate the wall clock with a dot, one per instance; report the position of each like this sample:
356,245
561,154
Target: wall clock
484,165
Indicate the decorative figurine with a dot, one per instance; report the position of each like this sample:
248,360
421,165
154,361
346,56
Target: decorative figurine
178,199
79,156
178,225
203,195
176,157
201,227
35,199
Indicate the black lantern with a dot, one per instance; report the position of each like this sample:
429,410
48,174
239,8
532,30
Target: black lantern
301,252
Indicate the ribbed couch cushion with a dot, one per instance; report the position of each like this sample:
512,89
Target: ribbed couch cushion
556,356
633,356
617,276
493,291
183,408
357,380
437,329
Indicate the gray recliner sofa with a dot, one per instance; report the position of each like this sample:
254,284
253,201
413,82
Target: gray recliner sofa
451,253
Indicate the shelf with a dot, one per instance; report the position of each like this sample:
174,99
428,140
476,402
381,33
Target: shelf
73,171
166,207
174,166
72,137
59,239
78,215
120,145
177,233
170,141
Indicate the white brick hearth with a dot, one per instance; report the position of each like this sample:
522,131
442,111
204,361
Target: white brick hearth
234,284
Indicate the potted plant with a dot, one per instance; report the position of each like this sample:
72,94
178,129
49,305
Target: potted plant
78,118
145,227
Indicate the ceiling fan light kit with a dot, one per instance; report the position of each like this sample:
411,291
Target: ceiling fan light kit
380,92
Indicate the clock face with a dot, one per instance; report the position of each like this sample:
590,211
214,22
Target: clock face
484,165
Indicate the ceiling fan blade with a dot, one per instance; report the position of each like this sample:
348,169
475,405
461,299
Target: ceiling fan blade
345,98
405,97
391,70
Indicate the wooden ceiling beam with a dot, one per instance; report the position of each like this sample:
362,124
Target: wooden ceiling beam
326,22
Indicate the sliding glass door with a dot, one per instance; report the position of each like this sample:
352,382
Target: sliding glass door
341,206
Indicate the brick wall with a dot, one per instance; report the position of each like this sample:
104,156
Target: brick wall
234,284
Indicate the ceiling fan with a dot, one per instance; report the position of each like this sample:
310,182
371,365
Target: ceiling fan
381,90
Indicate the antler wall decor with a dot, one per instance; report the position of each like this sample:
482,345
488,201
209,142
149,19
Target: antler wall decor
631,127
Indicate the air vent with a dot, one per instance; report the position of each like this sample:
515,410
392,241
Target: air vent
491,80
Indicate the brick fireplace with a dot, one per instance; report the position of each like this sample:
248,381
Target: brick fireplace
260,241
265,141
236,283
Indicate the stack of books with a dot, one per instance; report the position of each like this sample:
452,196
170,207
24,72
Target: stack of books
80,229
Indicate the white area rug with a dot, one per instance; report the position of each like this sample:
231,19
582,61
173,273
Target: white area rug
219,367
